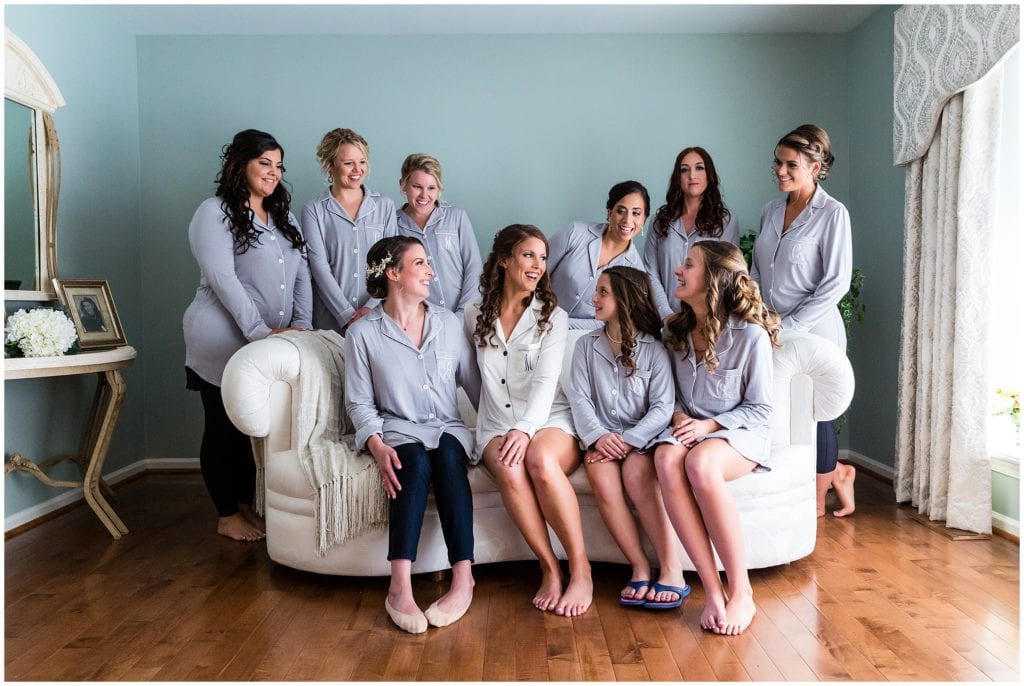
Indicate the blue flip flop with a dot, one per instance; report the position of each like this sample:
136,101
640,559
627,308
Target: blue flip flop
670,604
636,586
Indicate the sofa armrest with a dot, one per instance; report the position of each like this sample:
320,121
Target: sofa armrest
813,383
258,387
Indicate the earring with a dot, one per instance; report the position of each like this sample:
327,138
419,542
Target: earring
330,179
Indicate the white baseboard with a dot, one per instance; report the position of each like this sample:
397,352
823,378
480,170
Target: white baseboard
999,521
66,498
865,461
1005,524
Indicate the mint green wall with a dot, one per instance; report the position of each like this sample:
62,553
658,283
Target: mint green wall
876,211
92,59
529,129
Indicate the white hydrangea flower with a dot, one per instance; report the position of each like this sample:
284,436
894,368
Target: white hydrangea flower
42,332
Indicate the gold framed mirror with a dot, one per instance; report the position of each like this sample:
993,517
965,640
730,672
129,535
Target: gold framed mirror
32,174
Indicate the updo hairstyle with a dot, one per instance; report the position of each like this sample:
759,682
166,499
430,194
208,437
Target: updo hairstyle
813,143
421,161
384,254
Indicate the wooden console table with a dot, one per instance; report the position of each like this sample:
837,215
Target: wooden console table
106,405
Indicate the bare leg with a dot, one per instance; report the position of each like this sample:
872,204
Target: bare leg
237,527
686,518
251,516
553,455
709,466
823,482
843,483
521,504
641,481
606,482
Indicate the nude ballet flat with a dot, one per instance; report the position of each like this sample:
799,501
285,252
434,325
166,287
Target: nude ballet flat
414,624
438,617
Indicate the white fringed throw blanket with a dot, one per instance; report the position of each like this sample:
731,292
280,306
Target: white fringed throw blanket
348,491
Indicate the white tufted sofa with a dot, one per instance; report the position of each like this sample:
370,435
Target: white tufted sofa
813,382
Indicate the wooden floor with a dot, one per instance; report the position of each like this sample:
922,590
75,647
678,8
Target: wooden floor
882,598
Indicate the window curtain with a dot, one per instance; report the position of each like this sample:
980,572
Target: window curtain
942,463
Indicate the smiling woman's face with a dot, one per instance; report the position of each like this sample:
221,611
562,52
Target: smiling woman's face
527,264
627,216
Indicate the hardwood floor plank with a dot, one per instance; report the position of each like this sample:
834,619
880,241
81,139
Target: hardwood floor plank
881,598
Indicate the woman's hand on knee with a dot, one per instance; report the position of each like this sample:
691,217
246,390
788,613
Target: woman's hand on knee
610,447
513,448
689,430
387,463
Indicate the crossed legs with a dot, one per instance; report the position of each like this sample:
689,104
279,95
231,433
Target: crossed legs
536,493
693,482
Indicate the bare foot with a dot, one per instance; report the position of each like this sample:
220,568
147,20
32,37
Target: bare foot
843,483
238,528
739,611
251,517
713,616
577,598
549,593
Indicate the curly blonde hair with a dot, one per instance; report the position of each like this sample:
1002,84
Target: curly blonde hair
730,290
492,283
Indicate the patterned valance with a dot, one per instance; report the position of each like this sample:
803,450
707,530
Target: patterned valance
939,51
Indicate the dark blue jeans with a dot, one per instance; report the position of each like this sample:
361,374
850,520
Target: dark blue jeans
828,447
445,467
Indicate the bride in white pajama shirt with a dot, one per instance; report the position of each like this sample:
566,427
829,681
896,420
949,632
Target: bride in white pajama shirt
525,434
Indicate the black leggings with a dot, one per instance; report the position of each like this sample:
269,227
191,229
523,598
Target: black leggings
828,447
225,455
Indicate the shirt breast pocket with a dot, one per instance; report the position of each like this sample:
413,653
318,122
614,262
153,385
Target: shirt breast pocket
526,357
721,390
800,252
374,232
639,382
446,364
448,241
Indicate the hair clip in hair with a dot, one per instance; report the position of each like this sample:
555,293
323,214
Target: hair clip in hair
375,270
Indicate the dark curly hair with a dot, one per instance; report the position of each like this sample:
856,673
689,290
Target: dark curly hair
730,290
233,190
712,216
635,309
385,253
492,283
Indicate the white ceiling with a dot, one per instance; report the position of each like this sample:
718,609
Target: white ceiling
483,19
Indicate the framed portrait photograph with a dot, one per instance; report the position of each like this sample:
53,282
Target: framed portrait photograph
91,308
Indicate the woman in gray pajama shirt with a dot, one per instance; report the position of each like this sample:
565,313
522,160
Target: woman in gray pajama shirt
803,260
253,282
339,227
581,252
445,232
720,347
693,211
403,361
